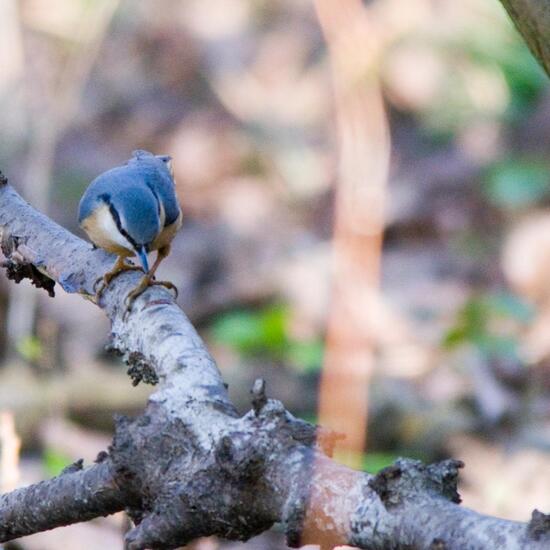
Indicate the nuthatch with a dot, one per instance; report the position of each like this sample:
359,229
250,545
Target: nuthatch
132,210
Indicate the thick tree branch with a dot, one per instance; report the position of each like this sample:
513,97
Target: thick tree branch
532,19
190,466
68,498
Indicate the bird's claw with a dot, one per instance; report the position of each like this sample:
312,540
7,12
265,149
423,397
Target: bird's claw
104,283
168,285
143,285
110,275
97,281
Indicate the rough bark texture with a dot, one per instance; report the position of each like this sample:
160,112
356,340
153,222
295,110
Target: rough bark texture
190,466
68,498
532,19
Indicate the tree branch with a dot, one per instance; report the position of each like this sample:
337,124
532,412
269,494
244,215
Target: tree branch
189,466
69,498
532,19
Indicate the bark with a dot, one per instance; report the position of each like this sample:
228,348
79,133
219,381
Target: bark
532,19
190,466
72,497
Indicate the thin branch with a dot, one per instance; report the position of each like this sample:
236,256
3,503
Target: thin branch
66,499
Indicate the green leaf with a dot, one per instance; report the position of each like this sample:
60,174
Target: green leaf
238,329
517,183
30,348
374,462
263,331
273,323
455,337
54,461
309,417
479,323
523,75
306,356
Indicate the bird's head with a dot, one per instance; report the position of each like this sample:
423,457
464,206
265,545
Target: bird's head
160,162
156,172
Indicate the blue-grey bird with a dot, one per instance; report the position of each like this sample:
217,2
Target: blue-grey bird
132,210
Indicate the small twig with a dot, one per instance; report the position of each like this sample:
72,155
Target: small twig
259,398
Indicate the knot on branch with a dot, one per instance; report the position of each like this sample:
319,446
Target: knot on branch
264,407
181,483
17,264
539,526
139,367
273,415
140,370
177,479
74,467
102,456
323,438
240,459
407,479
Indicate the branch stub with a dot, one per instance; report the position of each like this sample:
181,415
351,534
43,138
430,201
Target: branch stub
74,467
408,479
539,525
259,398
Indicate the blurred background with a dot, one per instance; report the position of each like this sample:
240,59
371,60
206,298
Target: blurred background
366,192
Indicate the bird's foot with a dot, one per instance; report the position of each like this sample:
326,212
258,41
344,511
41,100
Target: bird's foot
106,279
168,285
145,283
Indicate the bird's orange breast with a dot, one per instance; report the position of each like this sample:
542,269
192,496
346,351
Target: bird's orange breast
103,232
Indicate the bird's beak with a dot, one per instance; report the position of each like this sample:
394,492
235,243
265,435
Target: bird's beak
142,254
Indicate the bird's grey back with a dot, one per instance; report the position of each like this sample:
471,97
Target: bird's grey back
156,175
133,205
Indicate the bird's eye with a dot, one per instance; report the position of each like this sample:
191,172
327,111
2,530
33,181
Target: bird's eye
168,161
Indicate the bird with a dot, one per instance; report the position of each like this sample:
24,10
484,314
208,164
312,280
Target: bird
132,210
